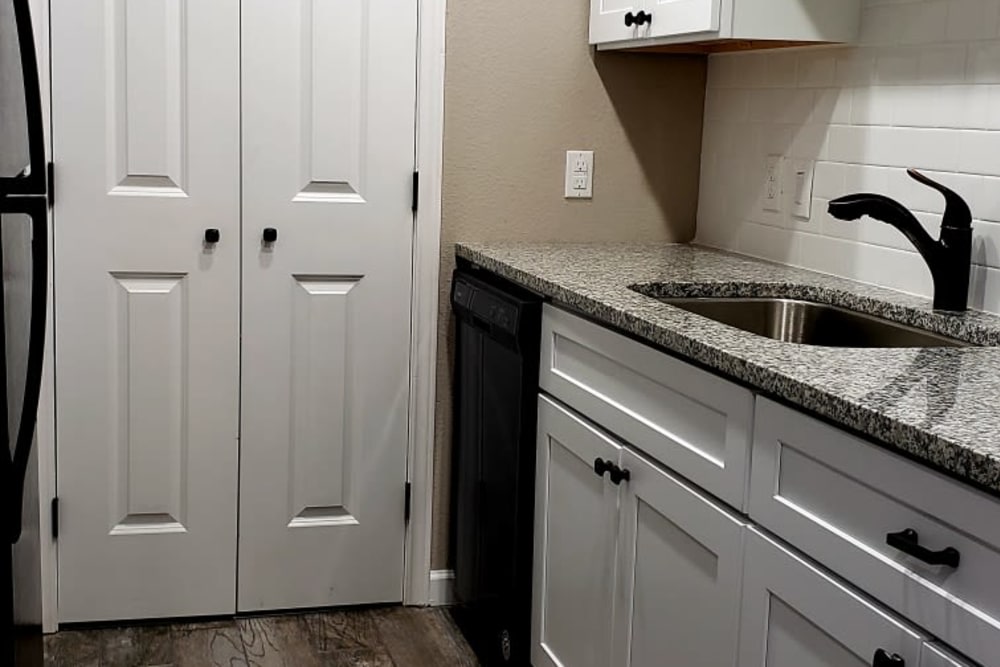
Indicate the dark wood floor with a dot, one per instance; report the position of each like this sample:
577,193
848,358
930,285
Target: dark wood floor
386,637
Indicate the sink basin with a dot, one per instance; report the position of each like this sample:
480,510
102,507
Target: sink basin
811,323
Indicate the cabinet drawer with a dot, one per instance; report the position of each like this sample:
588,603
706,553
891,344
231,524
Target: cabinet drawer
796,615
693,422
838,498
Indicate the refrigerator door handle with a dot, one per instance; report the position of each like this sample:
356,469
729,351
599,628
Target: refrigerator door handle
32,180
35,208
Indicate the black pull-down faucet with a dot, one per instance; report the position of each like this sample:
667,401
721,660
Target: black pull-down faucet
949,259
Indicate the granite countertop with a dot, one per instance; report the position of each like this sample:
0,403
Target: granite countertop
938,405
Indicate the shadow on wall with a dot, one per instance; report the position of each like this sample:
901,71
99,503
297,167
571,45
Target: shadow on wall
651,113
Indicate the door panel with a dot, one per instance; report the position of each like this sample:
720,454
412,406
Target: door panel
681,559
328,146
146,143
681,17
607,20
793,614
575,531
150,342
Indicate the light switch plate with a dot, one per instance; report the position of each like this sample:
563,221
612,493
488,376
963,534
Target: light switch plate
772,183
579,174
802,189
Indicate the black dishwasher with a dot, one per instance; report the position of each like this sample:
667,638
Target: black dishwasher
495,396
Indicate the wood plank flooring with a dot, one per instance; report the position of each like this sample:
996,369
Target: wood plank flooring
383,637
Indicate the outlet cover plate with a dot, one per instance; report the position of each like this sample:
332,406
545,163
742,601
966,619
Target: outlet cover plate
579,174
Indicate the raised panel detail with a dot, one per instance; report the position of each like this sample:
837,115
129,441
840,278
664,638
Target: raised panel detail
334,100
148,77
320,449
149,489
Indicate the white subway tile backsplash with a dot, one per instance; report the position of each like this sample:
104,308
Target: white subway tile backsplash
921,90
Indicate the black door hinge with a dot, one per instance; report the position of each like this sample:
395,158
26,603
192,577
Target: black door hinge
55,518
416,191
50,177
408,502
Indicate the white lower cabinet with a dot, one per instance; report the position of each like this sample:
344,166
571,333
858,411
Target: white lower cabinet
851,556
632,566
795,615
680,561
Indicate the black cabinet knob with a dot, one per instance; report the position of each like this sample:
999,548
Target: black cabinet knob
619,475
641,18
601,466
212,236
883,659
270,235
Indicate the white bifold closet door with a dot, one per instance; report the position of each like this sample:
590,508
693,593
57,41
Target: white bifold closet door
177,426
328,155
146,147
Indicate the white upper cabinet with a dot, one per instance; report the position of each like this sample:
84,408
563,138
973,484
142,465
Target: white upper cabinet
721,25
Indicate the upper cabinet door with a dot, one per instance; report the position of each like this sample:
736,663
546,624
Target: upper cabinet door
145,119
795,615
329,97
682,17
681,562
608,20
576,524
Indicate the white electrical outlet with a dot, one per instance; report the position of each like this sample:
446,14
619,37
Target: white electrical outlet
579,174
802,188
772,183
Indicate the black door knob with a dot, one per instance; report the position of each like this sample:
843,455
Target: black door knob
601,466
270,235
630,20
883,659
212,236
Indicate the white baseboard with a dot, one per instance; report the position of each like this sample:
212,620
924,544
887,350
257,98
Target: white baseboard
442,588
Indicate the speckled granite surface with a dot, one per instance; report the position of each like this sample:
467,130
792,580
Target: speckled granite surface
939,405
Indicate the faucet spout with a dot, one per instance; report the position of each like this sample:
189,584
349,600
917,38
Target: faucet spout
949,258
889,211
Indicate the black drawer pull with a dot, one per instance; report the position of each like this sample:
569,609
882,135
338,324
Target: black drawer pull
601,466
883,659
618,475
908,541
212,236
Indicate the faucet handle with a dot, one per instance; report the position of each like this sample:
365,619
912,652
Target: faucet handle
956,211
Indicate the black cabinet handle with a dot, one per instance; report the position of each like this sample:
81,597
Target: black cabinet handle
618,475
270,235
601,466
212,236
908,541
642,18
883,659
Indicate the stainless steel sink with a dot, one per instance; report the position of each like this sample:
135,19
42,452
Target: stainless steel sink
810,323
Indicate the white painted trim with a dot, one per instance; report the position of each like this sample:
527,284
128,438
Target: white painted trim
442,588
424,306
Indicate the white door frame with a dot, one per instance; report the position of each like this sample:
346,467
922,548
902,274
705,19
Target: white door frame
424,303
423,330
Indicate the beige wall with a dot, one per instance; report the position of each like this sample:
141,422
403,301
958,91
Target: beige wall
522,87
